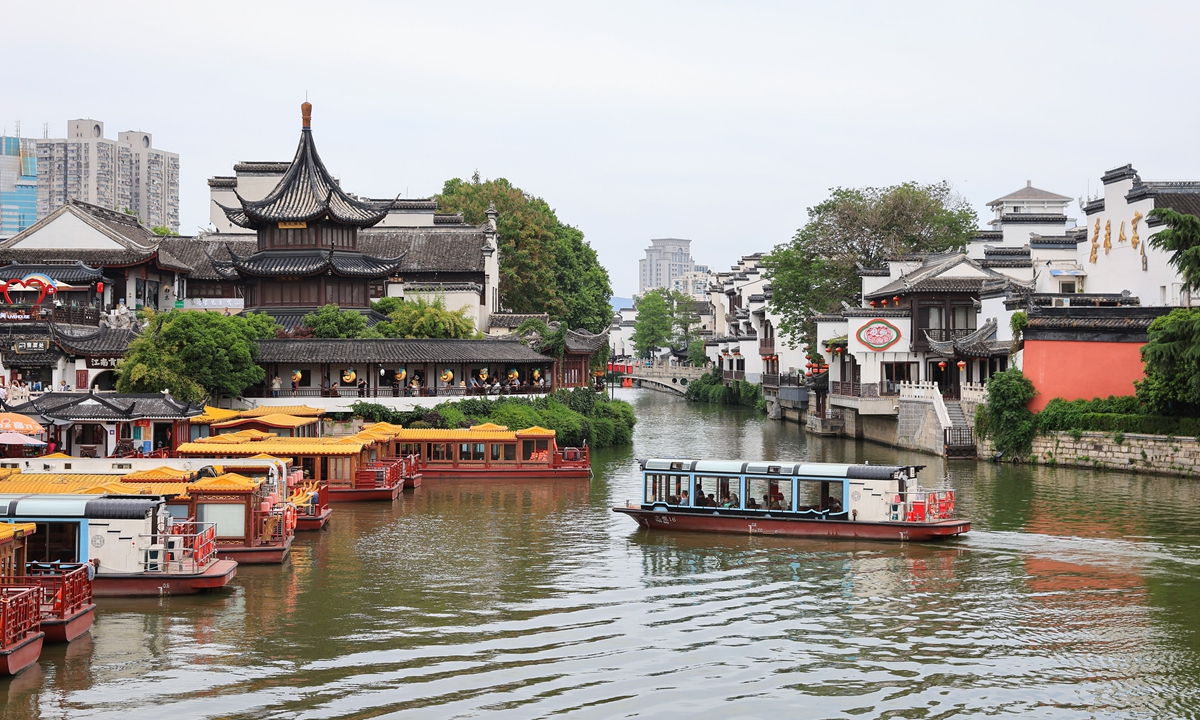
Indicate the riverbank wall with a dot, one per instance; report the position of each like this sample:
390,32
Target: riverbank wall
1138,453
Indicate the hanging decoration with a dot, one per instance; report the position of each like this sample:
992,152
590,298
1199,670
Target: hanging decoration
962,364
447,376
513,374
349,376
297,376
400,375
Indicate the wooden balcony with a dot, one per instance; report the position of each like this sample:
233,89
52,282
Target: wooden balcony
733,374
766,346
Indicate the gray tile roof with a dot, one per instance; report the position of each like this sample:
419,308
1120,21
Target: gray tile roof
121,406
75,273
443,249
1029,192
396,351
514,320
105,341
306,192
269,263
926,278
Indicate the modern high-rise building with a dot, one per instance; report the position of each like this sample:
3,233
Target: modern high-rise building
18,184
666,259
126,174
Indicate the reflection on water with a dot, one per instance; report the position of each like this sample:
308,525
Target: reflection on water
1074,596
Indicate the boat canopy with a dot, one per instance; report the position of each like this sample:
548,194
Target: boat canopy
738,467
92,507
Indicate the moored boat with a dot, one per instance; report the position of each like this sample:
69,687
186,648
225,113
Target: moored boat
64,597
876,502
489,451
20,634
138,547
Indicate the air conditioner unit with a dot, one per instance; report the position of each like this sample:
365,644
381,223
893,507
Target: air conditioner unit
1060,302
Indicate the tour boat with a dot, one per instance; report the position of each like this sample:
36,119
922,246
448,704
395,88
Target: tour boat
63,590
21,636
489,451
354,468
876,502
140,548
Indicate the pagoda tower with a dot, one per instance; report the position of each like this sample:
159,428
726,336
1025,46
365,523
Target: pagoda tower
307,254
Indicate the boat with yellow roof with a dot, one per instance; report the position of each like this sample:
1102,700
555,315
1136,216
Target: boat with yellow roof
488,450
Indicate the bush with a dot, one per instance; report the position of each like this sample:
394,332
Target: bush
711,388
1006,417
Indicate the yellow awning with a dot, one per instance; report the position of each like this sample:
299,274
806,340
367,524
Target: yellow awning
158,474
8,531
278,420
297,410
228,481
214,414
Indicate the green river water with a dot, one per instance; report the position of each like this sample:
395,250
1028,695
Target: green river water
1076,595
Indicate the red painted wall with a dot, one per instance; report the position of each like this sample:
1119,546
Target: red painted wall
1080,370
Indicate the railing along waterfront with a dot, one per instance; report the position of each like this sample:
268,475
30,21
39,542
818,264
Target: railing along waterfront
883,388
353,391
770,380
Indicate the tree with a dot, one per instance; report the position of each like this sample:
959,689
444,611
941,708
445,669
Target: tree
545,265
1006,417
1172,364
683,318
696,354
653,327
422,319
817,270
1181,238
195,355
332,322
162,230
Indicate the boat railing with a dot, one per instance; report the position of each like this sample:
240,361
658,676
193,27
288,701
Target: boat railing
63,589
925,505
20,614
186,546
387,472
572,457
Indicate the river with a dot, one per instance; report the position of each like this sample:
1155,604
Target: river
1076,595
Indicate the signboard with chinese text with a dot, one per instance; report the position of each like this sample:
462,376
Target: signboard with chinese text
99,363
879,335
31,346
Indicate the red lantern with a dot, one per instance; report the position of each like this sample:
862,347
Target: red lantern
896,299
100,287
872,303
884,301
942,364
962,364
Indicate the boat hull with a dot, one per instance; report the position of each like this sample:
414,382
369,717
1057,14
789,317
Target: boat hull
21,655
261,555
794,527
307,523
461,473
68,629
365,494
214,577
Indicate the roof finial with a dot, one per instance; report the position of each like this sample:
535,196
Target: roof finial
1028,183
306,113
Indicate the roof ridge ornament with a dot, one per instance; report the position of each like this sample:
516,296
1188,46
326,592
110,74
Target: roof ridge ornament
306,114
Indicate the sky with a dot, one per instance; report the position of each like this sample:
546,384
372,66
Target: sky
718,122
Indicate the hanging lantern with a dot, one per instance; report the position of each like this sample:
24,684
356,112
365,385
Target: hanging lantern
100,287
884,301
942,364
896,299
962,364
872,303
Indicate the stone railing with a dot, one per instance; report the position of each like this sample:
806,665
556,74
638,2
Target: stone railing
973,393
679,371
927,392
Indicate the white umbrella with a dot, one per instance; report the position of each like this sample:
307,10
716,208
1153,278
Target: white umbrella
12,438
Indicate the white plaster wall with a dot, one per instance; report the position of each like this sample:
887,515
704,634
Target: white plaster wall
67,231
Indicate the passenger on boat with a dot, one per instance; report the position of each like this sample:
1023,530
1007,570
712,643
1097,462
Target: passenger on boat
683,499
731,501
751,504
712,501
834,505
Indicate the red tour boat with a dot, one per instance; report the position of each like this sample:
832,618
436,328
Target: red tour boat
490,451
875,502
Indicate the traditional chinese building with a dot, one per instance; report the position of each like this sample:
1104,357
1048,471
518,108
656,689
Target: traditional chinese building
307,254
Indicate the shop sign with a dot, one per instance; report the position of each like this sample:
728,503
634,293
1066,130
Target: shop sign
99,363
16,315
31,346
879,335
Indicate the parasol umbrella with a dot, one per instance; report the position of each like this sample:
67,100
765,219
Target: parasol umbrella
12,438
18,423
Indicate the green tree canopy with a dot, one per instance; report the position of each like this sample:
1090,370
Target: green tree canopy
1172,364
653,327
195,355
422,319
333,322
1180,237
817,270
1006,417
545,265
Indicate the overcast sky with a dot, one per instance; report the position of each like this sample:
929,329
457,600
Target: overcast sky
719,122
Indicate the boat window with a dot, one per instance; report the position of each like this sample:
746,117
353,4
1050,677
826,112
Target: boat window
441,451
495,452
339,468
471,452
410,448
536,450
769,493
666,488
819,495
716,491
56,541
229,517
178,512
510,452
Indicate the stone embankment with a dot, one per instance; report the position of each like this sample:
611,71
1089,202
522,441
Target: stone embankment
1157,454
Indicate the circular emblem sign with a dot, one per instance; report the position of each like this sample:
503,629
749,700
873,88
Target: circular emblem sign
97,541
879,335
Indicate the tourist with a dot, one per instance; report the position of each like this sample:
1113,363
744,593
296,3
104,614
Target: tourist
63,386
362,387
683,499
325,386
276,384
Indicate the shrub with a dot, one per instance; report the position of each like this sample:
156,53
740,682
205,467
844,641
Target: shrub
1006,417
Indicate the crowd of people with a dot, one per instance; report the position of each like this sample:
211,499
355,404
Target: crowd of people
415,388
